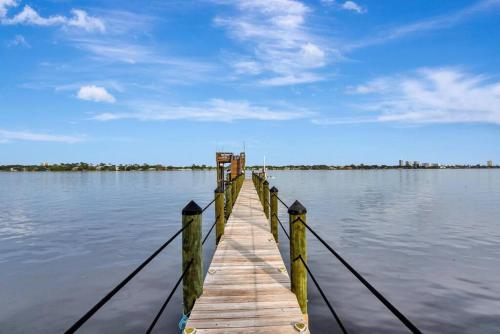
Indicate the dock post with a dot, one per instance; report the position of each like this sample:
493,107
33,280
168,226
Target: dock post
229,199
265,197
274,213
192,255
261,189
219,214
298,247
234,188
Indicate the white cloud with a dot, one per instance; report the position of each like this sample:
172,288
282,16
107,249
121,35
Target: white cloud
4,5
18,40
80,19
96,94
352,6
279,43
438,95
215,110
7,136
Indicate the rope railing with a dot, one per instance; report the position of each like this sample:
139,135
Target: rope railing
211,228
279,199
158,315
117,288
335,315
374,291
283,227
208,205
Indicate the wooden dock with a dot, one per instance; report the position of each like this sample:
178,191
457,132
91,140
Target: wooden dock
247,288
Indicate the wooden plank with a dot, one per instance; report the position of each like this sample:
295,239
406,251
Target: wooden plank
247,289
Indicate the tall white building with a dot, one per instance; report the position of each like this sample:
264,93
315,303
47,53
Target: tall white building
489,163
401,163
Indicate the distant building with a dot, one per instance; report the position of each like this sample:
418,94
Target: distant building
426,165
401,163
416,164
489,163
409,163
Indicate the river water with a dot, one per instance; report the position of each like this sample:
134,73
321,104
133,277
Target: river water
429,240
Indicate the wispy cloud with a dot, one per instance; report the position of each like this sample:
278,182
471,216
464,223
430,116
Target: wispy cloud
354,7
18,40
7,136
345,5
434,23
96,94
29,16
429,95
215,110
282,50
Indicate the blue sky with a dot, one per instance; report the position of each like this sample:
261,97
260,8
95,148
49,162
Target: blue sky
323,81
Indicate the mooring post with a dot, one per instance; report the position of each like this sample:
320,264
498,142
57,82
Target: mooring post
261,187
265,197
219,214
298,248
274,213
229,199
192,255
234,194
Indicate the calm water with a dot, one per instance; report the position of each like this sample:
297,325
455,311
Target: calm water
429,240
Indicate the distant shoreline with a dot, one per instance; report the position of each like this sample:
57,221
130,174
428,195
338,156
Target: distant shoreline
83,167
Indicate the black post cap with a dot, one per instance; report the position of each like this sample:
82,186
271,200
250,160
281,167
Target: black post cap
297,209
266,183
191,209
273,190
219,189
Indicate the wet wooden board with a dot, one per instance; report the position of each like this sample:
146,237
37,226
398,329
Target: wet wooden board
247,289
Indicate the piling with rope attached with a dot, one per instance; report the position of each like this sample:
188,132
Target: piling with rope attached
229,199
192,256
265,197
219,214
274,213
298,249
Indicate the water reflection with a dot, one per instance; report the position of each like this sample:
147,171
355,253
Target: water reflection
429,240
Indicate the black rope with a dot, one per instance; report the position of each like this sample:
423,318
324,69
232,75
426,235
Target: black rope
279,221
279,199
117,288
374,291
335,315
208,205
211,228
155,320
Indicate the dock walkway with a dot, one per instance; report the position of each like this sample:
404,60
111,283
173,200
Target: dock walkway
247,288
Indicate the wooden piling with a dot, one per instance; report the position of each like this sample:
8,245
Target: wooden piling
219,214
298,247
192,255
265,197
274,213
229,199
260,182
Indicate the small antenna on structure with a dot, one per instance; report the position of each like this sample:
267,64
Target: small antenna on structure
244,147
264,165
